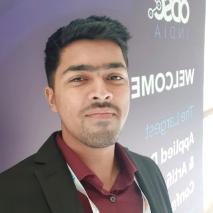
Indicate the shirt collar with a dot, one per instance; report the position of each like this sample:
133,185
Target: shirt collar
72,159
127,167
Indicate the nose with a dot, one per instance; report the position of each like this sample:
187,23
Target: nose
100,91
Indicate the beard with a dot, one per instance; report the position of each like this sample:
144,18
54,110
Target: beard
100,137
101,133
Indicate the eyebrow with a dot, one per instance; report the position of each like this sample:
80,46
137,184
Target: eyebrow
87,67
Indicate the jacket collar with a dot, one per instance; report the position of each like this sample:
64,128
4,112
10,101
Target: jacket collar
59,190
55,179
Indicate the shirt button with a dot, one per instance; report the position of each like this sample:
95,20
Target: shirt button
112,198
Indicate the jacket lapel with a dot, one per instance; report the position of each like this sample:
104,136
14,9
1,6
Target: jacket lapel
144,180
152,184
55,179
143,185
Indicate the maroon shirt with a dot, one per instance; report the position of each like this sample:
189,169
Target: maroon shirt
124,195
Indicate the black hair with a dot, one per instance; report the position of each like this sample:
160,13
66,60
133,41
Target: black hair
93,27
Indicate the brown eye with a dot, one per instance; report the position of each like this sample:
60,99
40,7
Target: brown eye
77,79
115,78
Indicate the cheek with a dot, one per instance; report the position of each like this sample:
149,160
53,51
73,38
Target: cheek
69,114
126,106
124,99
126,94
71,98
65,105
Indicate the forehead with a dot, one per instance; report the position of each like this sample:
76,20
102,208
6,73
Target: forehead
92,52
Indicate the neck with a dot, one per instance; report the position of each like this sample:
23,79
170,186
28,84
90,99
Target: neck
101,161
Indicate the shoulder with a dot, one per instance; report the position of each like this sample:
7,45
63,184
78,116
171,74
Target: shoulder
146,167
18,183
25,166
141,160
17,176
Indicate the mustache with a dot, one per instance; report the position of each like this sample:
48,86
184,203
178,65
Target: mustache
101,105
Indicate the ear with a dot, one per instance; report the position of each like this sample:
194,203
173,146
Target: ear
50,96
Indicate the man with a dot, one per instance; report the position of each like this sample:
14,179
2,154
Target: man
82,168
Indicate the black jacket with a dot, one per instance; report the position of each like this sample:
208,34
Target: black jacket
42,184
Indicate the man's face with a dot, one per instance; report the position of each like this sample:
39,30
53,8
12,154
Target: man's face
91,92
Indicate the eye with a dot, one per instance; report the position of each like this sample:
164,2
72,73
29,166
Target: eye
115,77
77,80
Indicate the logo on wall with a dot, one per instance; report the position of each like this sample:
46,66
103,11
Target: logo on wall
173,16
170,10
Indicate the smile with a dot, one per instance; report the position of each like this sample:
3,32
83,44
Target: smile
101,115
98,113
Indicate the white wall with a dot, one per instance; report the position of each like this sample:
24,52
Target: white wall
208,106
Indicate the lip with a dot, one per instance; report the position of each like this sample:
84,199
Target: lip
100,114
